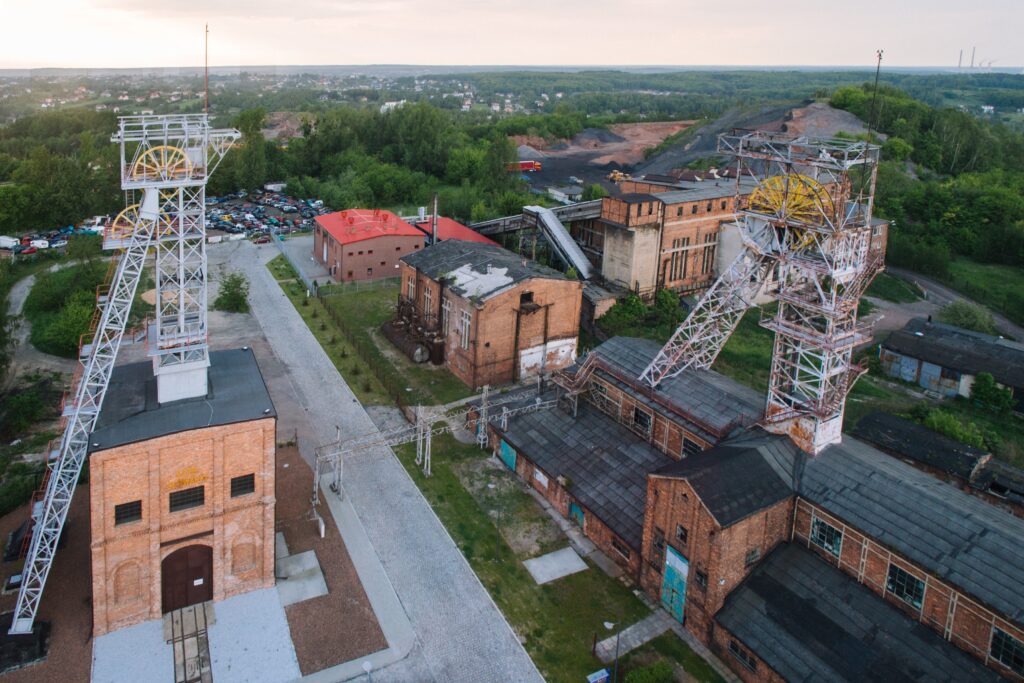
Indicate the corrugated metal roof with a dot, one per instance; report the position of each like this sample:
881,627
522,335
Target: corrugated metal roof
809,621
131,413
908,439
448,229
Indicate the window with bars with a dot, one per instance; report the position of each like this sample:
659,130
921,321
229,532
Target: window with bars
187,498
658,548
826,536
642,421
744,657
428,301
128,512
410,289
465,317
710,244
243,485
1007,650
753,555
682,535
677,262
702,580
690,447
620,548
905,586
446,306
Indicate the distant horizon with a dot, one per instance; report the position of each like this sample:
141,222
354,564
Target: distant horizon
930,34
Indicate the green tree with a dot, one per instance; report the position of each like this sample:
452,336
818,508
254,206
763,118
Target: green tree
986,393
62,333
594,191
251,167
234,294
968,316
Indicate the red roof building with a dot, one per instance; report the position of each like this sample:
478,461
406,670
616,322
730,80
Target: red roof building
363,244
447,229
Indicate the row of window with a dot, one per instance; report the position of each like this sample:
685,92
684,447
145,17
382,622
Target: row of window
370,251
693,208
465,317
1004,648
185,499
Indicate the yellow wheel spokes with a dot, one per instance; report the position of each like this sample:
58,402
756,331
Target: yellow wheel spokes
797,198
124,224
162,162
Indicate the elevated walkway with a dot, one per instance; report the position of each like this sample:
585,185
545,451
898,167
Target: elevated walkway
561,241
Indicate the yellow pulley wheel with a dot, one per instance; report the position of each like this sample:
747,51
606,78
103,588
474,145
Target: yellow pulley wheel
163,162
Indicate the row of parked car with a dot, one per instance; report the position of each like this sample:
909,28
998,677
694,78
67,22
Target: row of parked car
32,243
259,214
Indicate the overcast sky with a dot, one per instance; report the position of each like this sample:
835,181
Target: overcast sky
150,33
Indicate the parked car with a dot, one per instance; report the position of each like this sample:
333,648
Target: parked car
262,239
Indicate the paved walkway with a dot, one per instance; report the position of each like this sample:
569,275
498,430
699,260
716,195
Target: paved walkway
25,355
632,637
460,633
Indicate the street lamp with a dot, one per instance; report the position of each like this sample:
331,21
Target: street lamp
497,522
615,667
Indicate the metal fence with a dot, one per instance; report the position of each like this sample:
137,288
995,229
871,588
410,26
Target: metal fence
335,288
279,243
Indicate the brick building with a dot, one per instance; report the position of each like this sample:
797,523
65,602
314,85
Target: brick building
363,244
848,565
182,493
489,315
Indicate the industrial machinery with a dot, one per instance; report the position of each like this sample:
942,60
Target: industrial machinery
806,232
165,164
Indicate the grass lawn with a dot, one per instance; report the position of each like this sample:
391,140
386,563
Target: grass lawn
747,356
282,269
365,311
999,287
893,289
557,621
670,648
366,387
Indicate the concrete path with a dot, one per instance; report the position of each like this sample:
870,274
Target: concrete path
25,355
553,566
632,637
460,633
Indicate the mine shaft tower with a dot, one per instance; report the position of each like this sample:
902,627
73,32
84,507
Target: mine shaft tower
165,164
806,234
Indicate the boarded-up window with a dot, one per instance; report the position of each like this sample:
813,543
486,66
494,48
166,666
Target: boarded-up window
243,557
541,478
127,583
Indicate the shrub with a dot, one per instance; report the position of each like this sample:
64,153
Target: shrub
948,424
234,294
967,315
21,411
61,333
987,394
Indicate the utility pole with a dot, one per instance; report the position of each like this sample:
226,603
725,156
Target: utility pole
206,73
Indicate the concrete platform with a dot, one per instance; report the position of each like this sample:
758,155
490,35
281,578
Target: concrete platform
299,578
552,566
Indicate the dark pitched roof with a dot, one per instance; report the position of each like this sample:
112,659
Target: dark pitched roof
961,350
606,463
476,269
1002,480
811,622
730,483
912,441
131,413
713,404
956,536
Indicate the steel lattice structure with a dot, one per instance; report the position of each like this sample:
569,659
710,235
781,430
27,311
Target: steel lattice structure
809,223
165,163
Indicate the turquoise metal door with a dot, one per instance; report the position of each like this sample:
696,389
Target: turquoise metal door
576,513
673,587
507,455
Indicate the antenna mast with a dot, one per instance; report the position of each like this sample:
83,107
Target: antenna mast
206,73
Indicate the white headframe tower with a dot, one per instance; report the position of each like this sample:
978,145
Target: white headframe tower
165,164
808,223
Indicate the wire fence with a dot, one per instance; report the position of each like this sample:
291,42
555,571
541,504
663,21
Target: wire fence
279,243
335,288
382,369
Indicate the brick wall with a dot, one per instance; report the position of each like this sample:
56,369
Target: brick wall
958,617
126,558
719,554
370,259
740,659
689,242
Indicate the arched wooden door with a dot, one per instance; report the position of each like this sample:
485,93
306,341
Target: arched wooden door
186,576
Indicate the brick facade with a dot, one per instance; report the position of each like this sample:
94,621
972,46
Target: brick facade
126,557
369,259
529,328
